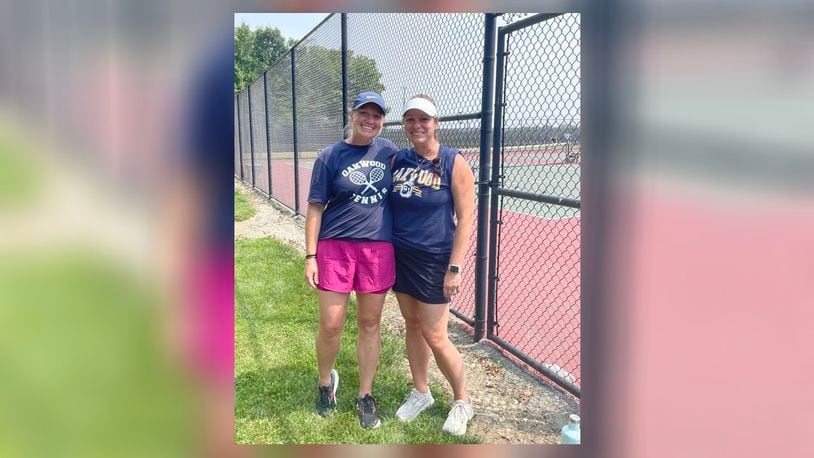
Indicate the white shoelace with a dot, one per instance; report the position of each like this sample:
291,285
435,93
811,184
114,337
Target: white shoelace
413,399
458,413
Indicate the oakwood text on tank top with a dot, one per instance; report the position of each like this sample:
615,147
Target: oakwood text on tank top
405,180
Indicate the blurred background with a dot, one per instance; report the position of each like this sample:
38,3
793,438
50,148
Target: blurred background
116,227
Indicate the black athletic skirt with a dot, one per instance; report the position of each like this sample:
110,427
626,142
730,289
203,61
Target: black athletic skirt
421,274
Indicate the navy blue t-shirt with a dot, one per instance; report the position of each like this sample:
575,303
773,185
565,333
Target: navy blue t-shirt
354,181
423,209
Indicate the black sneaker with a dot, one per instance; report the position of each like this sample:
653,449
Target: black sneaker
367,411
326,401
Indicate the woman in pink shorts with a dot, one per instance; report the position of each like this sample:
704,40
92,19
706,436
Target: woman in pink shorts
348,233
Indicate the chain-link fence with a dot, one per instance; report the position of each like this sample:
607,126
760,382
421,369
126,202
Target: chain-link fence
299,106
534,265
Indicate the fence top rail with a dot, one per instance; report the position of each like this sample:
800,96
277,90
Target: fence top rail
460,117
307,35
525,22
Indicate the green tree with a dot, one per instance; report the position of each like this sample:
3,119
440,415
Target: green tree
319,77
319,82
255,51
319,92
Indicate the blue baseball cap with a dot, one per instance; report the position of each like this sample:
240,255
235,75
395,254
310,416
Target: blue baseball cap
368,97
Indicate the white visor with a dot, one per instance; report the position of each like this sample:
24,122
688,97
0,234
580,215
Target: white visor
420,104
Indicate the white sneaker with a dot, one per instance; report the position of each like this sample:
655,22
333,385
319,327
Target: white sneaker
415,403
459,415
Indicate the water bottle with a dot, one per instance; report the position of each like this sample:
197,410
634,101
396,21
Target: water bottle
570,432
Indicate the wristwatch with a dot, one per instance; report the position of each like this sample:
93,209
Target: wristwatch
454,268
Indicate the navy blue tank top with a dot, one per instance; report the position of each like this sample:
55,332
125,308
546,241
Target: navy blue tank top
421,201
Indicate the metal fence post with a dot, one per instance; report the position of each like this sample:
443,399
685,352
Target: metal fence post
483,181
239,136
497,140
268,134
344,26
251,134
294,121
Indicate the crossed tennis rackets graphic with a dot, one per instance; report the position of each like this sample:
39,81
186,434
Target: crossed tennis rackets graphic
357,178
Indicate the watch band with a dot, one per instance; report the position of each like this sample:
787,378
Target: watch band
454,268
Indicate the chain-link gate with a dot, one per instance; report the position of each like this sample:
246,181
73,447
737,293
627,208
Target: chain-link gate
534,269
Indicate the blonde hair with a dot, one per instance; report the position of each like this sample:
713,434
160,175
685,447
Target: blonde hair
347,130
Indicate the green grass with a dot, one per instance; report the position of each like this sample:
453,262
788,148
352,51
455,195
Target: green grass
243,209
275,363
18,174
83,370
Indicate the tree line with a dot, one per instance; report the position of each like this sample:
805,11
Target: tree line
256,51
318,69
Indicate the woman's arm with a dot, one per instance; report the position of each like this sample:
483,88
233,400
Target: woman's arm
463,197
313,221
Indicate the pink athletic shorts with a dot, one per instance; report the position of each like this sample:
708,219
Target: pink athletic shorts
364,267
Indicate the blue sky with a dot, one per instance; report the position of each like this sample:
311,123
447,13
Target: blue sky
291,25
